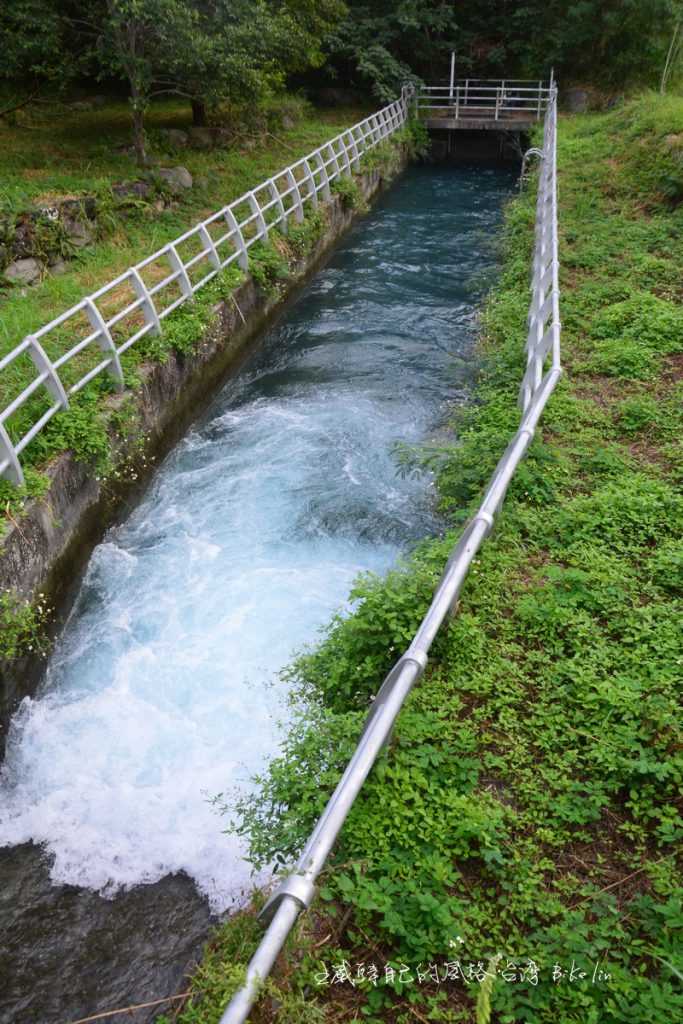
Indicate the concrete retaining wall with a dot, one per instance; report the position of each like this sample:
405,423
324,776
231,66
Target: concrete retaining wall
47,550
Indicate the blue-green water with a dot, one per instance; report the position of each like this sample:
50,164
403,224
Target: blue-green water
163,690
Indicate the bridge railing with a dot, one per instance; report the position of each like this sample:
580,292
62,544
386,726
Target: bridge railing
486,99
296,892
90,338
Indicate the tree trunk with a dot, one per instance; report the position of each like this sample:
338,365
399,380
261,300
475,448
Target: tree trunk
139,137
199,113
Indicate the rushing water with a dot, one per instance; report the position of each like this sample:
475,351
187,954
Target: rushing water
163,689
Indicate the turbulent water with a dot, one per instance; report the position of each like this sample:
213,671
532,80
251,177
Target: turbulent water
163,690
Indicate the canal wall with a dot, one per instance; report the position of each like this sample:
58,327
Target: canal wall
45,551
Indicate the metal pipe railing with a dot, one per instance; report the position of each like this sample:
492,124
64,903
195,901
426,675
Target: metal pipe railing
295,893
487,98
137,306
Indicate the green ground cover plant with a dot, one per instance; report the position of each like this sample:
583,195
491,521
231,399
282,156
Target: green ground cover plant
528,806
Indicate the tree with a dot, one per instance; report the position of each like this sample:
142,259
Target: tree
249,47
133,39
33,54
380,45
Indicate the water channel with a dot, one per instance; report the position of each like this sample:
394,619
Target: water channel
163,690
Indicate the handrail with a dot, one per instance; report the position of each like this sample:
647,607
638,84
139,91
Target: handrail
296,892
487,99
133,303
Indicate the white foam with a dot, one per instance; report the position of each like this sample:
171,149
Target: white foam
163,691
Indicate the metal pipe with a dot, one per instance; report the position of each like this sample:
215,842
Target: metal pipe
296,892
452,74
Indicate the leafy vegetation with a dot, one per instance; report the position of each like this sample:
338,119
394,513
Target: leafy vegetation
526,813
206,52
381,45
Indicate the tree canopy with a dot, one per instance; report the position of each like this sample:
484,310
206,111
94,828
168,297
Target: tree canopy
212,51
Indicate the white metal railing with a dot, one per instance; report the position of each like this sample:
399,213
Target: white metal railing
484,99
136,303
295,893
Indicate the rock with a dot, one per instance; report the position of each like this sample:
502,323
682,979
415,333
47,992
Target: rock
177,178
28,271
73,953
200,138
81,105
577,101
76,209
49,212
175,138
78,231
141,189
223,137
58,267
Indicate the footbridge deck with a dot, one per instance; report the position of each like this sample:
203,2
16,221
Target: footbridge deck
482,104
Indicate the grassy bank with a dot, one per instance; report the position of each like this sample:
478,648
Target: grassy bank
107,434
528,807
83,156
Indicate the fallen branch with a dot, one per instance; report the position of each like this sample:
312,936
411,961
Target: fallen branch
129,1009
17,106
613,885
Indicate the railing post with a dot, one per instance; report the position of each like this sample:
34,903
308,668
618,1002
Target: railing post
12,471
294,184
355,160
207,243
325,184
43,364
310,178
148,308
275,194
105,342
237,238
261,226
178,267
457,103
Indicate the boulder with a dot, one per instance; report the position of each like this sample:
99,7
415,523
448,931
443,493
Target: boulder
78,232
175,137
79,208
28,271
176,178
140,189
577,101
200,138
58,266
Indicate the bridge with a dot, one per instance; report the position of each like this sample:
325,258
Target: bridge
484,104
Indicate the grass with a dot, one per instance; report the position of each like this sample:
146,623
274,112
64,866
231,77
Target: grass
529,804
75,153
